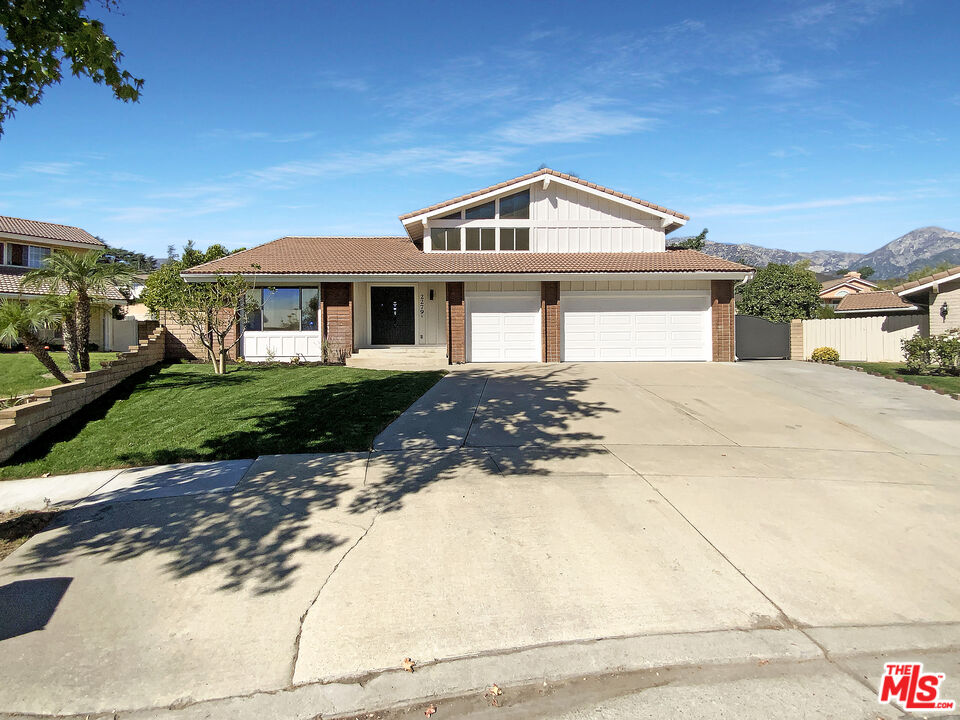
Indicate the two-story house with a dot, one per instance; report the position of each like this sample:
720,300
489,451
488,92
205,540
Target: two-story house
542,268
24,244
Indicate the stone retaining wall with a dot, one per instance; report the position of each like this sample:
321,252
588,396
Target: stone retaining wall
24,423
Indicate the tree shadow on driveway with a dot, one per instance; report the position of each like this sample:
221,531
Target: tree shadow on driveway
255,536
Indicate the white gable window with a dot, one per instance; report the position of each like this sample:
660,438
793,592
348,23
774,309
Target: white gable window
516,206
445,238
514,238
487,211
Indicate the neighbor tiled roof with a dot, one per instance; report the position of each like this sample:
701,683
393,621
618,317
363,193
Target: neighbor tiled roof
537,173
46,231
397,255
927,279
880,300
10,282
837,282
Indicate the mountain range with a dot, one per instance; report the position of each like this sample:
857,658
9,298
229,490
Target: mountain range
917,249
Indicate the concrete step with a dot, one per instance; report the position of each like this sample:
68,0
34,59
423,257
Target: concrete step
399,358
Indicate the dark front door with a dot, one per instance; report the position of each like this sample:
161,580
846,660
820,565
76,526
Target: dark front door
391,316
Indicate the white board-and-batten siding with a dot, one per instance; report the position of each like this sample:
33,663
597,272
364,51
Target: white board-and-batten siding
564,219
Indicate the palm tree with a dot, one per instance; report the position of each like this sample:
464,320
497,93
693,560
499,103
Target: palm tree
84,275
23,322
65,307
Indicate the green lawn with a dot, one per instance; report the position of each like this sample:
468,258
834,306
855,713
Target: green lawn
182,413
21,372
948,383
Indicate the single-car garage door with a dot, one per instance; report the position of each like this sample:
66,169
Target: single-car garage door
503,328
635,326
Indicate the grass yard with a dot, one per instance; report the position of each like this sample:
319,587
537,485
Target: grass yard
183,413
947,383
21,372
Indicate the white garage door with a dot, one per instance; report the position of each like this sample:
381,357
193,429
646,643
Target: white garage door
635,326
503,328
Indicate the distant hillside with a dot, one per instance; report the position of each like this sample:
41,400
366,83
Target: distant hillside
917,249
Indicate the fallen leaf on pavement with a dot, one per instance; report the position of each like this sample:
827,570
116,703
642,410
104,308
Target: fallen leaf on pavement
430,710
408,664
494,690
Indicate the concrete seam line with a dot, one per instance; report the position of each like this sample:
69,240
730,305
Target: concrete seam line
690,415
303,617
243,477
792,624
476,409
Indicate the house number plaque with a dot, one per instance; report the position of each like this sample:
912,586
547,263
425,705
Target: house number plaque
421,304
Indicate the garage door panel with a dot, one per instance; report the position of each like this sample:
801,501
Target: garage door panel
503,328
635,327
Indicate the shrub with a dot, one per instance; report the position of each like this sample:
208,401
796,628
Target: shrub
825,354
917,352
946,351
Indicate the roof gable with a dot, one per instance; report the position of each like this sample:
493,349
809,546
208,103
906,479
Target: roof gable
671,218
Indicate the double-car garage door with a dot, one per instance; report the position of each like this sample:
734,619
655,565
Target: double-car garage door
610,326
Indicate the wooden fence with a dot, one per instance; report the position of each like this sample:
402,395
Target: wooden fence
868,339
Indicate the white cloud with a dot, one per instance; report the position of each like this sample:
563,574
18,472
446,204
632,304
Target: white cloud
787,152
50,168
253,135
789,83
572,121
747,209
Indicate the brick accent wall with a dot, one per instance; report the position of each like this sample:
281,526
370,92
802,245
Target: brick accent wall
456,324
550,321
724,310
24,423
182,344
336,301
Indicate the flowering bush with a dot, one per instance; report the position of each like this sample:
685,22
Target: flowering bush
938,353
825,354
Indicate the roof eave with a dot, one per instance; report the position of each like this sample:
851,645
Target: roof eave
266,278
930,284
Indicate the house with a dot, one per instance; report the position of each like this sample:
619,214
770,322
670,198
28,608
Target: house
545,267
24,244
833,291
880,302
939,294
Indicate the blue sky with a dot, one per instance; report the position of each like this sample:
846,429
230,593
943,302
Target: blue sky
787,124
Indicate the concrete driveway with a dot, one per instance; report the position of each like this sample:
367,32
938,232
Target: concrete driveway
776,511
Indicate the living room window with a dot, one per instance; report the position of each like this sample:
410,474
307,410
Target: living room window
514,238
283,309
445,239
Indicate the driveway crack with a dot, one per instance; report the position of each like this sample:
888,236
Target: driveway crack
303,617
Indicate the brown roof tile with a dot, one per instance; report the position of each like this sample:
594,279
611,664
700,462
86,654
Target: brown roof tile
927,279
11,278
397,255
46,231
880,300
545,171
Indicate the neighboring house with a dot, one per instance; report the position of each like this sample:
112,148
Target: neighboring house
881,302
940,295
544,267
24,244
833,291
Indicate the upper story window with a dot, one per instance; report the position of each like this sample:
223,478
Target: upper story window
487,211
516,206
445,238
481,238
19,255
514,238
453,216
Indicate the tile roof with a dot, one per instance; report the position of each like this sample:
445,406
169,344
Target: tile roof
399,255
537,173
47,231
11,277
837,282
880,300
927,279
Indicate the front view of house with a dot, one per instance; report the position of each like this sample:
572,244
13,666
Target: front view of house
542,268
